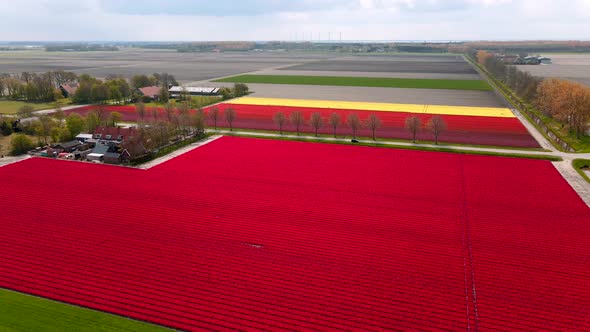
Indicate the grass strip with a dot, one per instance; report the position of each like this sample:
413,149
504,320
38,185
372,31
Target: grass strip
21,312
579,164
408,147
383,82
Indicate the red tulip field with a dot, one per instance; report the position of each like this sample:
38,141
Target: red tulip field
253,234
476,130
460,129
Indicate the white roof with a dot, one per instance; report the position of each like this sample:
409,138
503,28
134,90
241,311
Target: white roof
98,155
88,136
193,89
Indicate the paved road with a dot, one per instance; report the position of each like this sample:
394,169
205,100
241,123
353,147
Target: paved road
11,160
35,114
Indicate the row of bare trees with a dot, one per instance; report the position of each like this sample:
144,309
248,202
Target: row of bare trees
436,125
521,82
180,116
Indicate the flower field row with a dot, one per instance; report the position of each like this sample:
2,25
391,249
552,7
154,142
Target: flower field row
460,129
476,130
377,107
251,234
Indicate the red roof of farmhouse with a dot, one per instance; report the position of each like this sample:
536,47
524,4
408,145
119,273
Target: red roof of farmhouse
70,88
150,91
115,132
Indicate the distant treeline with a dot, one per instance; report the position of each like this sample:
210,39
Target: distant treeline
297,46
44,87
80,48
564,101
357,47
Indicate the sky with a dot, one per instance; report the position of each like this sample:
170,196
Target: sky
197,20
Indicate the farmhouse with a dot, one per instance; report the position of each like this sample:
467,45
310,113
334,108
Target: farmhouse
116,134
99,151
67,146
150,92
69,89
116,158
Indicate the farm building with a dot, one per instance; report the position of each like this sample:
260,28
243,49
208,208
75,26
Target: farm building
177,91
67,146
151,92
116,158
83,137
99,152
117,134
69,89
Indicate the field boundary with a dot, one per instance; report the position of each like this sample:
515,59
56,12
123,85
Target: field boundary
177,153
396,145
148,325
383,82
491,112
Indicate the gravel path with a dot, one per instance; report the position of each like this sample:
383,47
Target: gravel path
11,160
178,152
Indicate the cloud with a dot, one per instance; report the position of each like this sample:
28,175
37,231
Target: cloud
285,20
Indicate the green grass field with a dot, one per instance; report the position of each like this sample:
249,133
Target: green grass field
410,83
19,312
12,106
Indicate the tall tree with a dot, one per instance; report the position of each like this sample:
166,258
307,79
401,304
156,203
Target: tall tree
214,116
297,120
413,125
114,119
316,121
183,114
46,124
92,122
436,125
164,94
279,118
140,81
21,144
198,122
140,109
240,90
25,111
354,123
230,116
169,110
373,123
155,112
566,101
75,124
334,121
99,93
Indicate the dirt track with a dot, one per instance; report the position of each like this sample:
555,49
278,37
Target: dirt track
385,95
